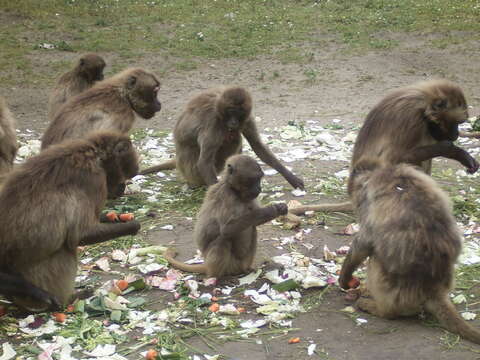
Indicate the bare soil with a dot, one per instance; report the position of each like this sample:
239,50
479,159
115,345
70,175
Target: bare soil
346,86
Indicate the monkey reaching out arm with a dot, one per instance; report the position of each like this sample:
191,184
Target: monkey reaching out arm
410,236
210,130
51,204
226,224
411,125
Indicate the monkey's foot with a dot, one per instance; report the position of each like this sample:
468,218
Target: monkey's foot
368,305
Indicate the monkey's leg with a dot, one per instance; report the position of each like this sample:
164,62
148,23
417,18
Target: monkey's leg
104,232
358,252
251,134
167,165
11,285
206,160
444,149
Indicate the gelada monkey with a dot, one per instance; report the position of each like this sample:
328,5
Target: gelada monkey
51,204
409,234
412,125
226,225
109,105
88,70
210,130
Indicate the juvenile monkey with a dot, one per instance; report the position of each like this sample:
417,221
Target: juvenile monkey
410,236
226,225
51,204
411,125
210,130
88,70
109,105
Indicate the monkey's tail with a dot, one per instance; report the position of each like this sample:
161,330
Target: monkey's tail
473,134
167,165
344,207
451,320
170,254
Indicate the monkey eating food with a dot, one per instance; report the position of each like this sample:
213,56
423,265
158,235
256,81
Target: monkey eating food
226,224
409,234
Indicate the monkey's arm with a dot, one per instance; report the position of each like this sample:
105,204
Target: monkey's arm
251,134
445,149
256,217
206,160
359,251
104,232
12,285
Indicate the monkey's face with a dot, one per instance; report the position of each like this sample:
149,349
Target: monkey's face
91,68
244,176
142,94
120,165
234,118
445,115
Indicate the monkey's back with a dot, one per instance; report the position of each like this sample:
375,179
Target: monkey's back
38,202
199,120
415,231
98,108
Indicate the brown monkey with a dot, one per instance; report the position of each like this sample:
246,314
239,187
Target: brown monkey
409,234
52,203
109,105
413,125
88,70
8,139
226,230
210,130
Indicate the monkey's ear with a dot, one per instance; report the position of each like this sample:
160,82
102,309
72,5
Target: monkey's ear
82,62
230,169
122,147
439,104
131,81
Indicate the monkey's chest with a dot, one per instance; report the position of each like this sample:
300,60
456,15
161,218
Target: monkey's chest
231,138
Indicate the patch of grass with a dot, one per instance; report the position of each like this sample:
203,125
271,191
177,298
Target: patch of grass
190,29
467,276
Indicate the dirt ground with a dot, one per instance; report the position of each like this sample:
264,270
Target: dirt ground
345,86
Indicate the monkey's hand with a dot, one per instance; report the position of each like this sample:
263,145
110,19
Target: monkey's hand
44,297
295,181
281,208
473,165
344,281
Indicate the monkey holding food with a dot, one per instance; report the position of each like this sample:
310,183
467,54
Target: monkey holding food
50,205
225,230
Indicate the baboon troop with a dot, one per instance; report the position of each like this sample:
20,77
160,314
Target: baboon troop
87,71
210,130
225,230
52,203
411,240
